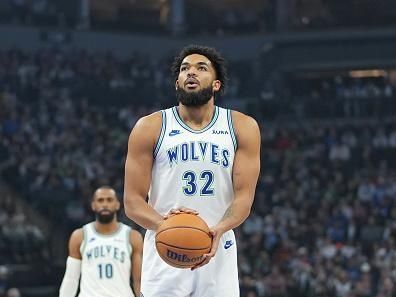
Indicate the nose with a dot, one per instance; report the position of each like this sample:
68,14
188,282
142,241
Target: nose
105,205
191,72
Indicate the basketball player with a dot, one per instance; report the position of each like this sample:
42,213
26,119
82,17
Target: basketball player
198,158
104,252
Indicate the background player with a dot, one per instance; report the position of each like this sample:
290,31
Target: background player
104,252
197,158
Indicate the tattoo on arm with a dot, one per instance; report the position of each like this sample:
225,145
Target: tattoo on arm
229,213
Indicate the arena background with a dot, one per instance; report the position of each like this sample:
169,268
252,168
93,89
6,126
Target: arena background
318,75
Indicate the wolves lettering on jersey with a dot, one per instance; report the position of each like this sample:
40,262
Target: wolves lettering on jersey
198,151
105,251
106,263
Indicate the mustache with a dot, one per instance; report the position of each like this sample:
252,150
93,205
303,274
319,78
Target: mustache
105,210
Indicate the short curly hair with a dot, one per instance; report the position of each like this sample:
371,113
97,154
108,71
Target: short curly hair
219,63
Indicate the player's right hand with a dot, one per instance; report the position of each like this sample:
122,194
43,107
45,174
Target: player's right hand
179,210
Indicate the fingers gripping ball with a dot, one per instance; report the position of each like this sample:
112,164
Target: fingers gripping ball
182,240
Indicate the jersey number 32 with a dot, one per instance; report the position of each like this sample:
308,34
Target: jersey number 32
202,182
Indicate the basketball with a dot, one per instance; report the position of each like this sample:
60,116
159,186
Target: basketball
182,240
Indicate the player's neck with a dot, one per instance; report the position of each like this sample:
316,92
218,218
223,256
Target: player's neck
107,228
197,117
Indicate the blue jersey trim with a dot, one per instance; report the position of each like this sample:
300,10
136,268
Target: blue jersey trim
181,123
162,134
231,127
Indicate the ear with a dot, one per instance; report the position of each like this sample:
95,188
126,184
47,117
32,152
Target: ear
92,205
176,84
216,85
118,205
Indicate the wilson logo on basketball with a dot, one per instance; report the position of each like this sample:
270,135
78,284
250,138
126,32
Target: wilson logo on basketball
182,258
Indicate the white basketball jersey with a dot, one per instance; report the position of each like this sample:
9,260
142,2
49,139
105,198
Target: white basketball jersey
106,263
193,168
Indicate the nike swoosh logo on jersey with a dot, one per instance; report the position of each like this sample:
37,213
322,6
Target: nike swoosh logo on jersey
228,244
174,132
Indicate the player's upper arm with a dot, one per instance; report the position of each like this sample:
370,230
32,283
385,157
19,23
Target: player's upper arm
247,156
136,241
75,242
139,161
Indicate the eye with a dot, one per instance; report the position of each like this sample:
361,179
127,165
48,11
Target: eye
202,68
183,68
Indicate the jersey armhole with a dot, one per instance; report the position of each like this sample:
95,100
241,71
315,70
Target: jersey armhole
231,127
84,241
162,133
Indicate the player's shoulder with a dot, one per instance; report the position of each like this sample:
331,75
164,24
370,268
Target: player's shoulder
136,240
147,128
152,120
79,232
243,121
77,237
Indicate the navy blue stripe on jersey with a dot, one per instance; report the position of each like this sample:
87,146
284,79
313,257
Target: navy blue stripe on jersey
162,134
231,127
181,123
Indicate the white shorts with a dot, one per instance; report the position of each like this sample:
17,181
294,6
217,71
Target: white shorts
219,278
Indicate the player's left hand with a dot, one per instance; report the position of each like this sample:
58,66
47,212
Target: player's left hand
216,235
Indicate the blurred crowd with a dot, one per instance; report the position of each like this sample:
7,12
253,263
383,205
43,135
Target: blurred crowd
324,213
340,87
23,249
336,95
20,240
35,12
324,216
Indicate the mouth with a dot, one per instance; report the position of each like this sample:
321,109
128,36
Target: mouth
191,83
105,211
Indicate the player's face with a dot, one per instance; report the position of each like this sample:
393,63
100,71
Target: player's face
196,83
105,205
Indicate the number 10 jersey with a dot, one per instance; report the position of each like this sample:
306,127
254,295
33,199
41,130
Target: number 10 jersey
106,263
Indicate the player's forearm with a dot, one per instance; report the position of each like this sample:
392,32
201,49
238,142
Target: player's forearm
235,215
136,288
142,214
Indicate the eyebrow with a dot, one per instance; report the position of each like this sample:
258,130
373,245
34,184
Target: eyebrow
199,63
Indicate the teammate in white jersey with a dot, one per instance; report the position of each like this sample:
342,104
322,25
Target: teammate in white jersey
105,253
195,158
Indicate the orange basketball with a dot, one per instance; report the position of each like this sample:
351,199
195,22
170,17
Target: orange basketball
182,240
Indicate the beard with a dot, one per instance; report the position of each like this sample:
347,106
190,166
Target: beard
194,98
105,217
